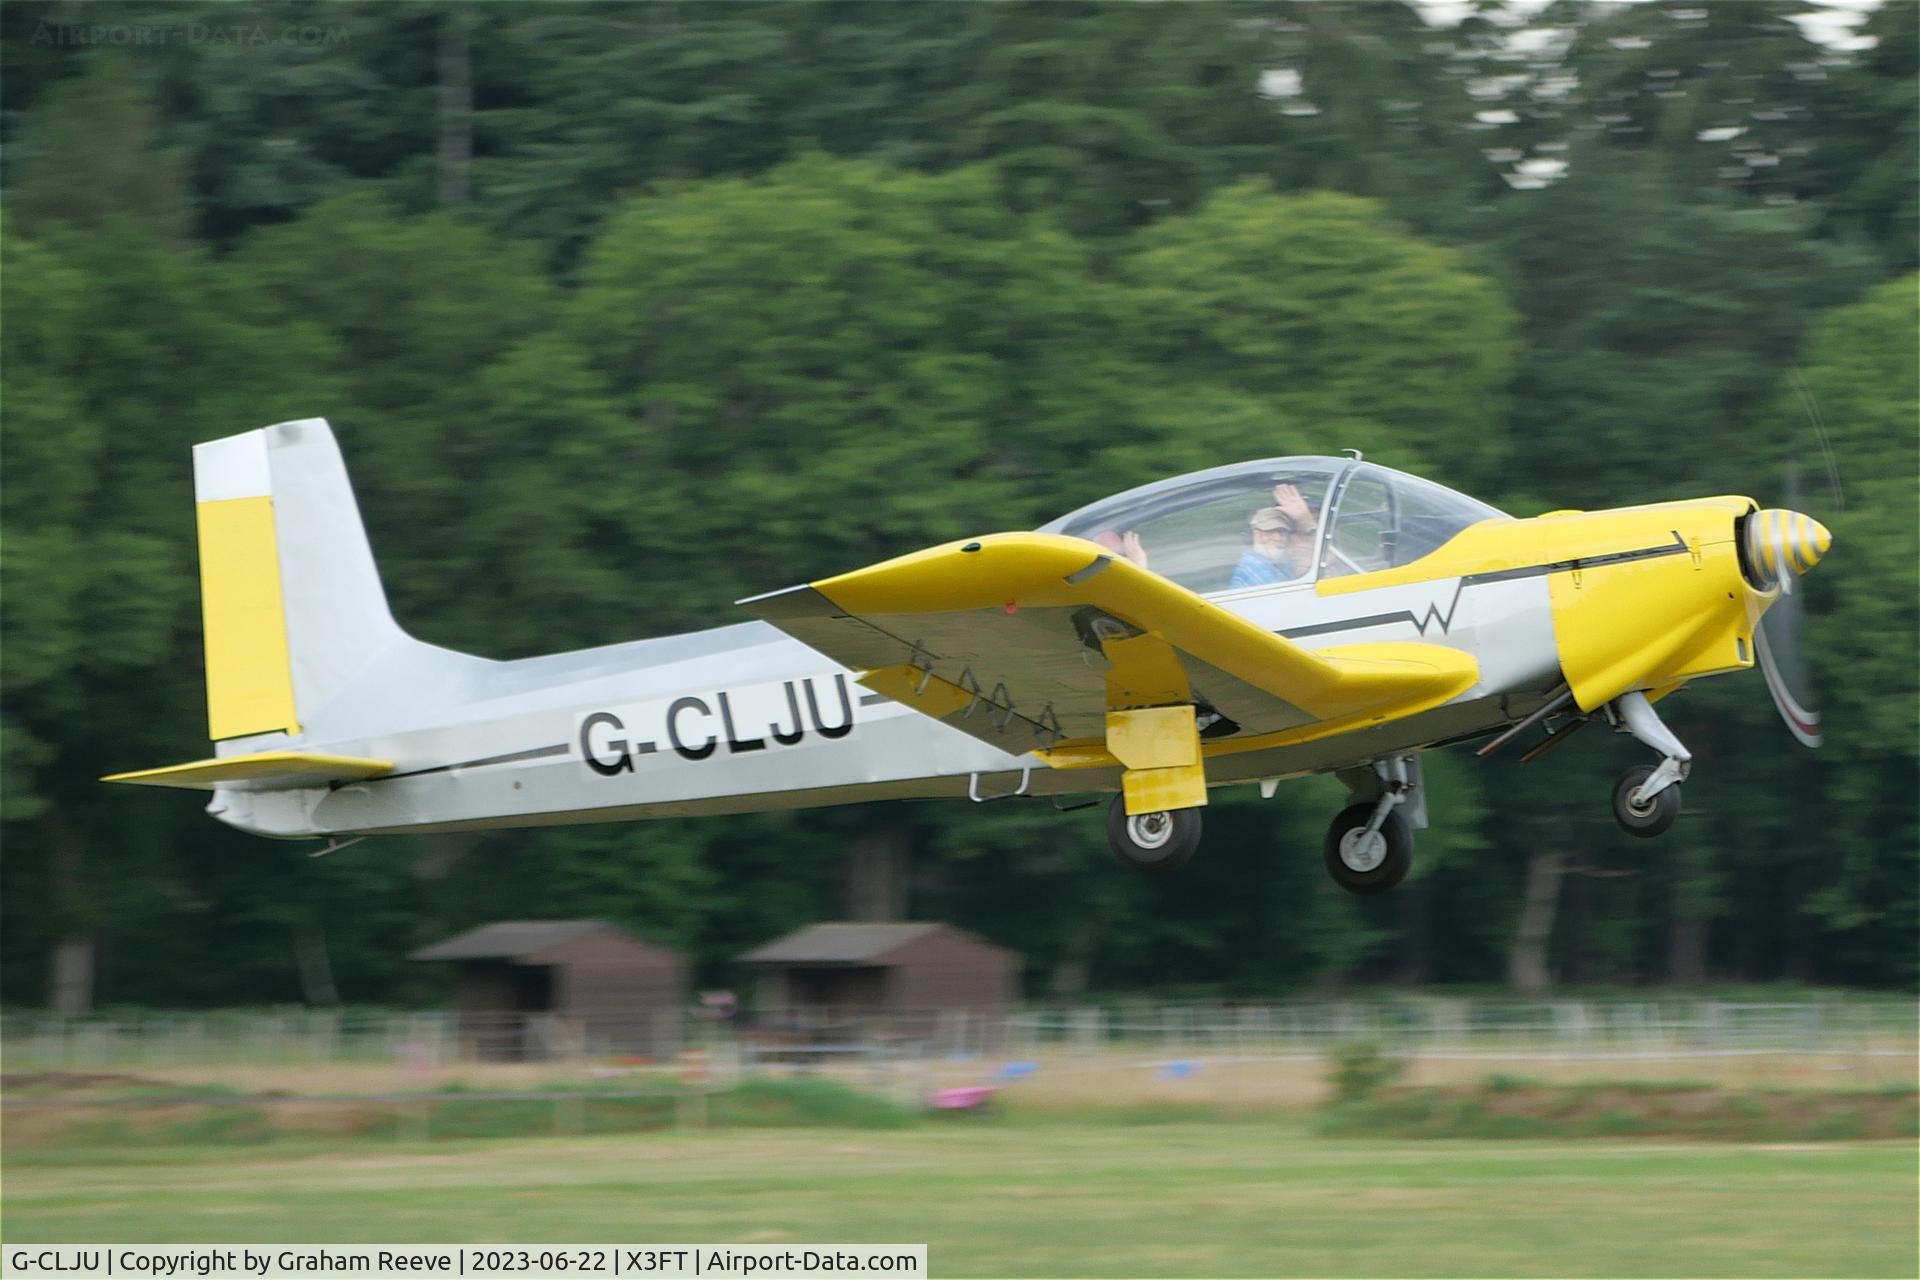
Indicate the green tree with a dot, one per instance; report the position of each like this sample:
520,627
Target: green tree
106,389
1370,99
436,331
1653,343
1721,98
1862,622
1107,116
1333,327
94,157
1862,164
820,361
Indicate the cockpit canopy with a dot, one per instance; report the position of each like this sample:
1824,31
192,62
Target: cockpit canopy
1196,529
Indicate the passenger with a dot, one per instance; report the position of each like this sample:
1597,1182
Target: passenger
1281,542
1128,545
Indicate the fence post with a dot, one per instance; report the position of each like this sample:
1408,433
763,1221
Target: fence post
1716,1024
1570,1022
323,1032
1086,1029
944,1039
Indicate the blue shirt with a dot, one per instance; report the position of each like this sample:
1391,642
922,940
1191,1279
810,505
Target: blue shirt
1255,570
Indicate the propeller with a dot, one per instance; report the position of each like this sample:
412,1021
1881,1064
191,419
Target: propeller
1780,544
1782,658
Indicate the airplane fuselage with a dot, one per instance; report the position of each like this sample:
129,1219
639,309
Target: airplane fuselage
744,718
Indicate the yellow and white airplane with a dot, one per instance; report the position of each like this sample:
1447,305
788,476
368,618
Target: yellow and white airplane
1246,624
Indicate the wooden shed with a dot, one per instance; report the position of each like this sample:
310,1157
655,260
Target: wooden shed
529,988
842,973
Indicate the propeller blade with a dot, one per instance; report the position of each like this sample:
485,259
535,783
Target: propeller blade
1781,544
1819,426
1778,651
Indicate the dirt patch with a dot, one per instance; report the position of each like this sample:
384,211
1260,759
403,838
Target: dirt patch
67,1081
233,1119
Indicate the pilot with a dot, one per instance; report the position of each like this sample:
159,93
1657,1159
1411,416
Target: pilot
1281,541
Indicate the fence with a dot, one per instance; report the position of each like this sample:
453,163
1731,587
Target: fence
1423,1027
1568,1028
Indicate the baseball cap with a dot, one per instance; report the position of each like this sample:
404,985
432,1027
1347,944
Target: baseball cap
1272,520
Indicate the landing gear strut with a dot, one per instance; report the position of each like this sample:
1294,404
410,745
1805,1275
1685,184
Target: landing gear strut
1646,800
1152,843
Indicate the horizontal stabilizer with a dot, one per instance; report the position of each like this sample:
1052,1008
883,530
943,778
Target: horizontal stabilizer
263,771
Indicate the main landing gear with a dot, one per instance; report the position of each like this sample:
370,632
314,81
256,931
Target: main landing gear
1152,843
1646,800
1369,846
1368,849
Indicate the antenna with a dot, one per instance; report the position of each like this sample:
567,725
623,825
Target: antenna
1354,454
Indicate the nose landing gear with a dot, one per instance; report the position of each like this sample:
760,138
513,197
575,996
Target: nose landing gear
1646,800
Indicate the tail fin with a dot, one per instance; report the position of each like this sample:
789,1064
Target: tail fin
292,603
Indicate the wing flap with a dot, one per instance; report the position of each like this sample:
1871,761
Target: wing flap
971,710
262,771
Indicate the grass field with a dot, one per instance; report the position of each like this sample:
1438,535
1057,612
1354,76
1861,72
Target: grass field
1036,1197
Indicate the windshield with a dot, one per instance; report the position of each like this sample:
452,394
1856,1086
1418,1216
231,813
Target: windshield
1384,518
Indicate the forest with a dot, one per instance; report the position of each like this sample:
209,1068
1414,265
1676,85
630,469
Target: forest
625,311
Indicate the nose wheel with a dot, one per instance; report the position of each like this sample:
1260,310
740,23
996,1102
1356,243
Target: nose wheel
1642,815
1152,843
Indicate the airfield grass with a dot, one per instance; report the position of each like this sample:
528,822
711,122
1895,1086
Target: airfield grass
1033,1196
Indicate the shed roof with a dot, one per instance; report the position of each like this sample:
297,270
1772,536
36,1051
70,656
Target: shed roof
845,943
513,939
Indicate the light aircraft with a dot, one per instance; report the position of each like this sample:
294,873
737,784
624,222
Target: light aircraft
1399,616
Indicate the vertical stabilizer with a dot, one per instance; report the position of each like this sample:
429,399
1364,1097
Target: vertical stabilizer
292,603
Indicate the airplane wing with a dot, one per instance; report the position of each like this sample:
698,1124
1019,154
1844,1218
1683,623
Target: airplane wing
1028,641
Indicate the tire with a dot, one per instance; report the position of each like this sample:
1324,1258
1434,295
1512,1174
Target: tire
1650,819
1153,844
1376,870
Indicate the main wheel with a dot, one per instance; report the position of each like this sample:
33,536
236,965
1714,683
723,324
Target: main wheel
1647,818
1365,864
1153,843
